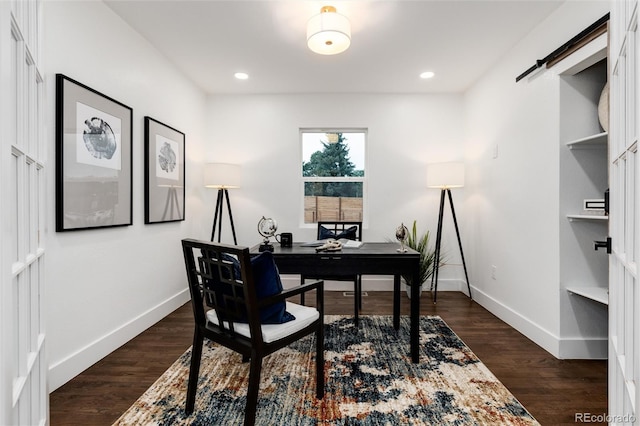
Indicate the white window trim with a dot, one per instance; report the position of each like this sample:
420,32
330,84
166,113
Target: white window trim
364,180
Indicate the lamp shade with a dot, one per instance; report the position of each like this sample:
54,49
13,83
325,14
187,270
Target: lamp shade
328,33
222,175
445,175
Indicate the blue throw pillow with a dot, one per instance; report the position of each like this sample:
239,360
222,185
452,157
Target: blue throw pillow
268,283
349,233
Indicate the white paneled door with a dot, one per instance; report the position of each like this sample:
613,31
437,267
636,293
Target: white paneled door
624,294
23,388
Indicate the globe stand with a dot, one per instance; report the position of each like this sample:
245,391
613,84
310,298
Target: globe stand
265,246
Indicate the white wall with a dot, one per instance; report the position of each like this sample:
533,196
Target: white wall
512,201
405,132
105,286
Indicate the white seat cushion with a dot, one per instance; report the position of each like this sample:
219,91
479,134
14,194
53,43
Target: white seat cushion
305,315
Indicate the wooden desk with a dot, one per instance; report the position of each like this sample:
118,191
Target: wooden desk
368,259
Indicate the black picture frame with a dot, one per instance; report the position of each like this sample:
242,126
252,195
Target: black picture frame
164,188
94,168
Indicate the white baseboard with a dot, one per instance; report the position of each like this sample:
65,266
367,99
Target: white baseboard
561,348
63,371
584,348
543,338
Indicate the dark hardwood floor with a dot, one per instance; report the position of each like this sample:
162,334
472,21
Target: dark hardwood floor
552,390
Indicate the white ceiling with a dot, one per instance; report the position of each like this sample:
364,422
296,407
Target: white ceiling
392,42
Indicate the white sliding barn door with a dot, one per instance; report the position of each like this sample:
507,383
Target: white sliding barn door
23,389
624,172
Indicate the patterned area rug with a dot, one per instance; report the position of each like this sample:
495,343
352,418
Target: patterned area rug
370,380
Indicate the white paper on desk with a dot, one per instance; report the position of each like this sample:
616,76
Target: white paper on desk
346,243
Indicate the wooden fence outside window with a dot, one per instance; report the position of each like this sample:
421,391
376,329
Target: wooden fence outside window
321,208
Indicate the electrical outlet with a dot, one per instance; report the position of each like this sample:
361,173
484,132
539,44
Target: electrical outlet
493,271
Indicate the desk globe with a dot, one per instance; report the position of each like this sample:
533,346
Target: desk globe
267,227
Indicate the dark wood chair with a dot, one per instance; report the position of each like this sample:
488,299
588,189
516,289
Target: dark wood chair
351,231
227,310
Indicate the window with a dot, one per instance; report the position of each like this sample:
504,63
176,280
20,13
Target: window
333,174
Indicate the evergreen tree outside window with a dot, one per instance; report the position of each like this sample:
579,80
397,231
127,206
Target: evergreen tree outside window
333,174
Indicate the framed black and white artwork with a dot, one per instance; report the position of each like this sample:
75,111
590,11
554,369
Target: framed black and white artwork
163,172
93,158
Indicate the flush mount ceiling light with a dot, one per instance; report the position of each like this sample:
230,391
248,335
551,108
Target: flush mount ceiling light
328,33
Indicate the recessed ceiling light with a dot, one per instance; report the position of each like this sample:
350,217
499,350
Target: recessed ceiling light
241,75
427,74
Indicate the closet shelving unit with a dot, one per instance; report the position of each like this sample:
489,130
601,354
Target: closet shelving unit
583,174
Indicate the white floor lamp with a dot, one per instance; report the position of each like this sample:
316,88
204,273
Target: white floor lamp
445,176
224,177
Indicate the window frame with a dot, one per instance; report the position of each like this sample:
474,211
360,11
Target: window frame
364,179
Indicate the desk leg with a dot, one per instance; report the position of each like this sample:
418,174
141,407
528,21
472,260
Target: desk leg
396,302
415,320
355,302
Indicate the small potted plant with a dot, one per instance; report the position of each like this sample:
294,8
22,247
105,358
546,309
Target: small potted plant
427,257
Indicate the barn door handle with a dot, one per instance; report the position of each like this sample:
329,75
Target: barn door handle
603,244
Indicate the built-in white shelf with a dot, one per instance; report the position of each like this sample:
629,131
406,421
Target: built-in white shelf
599,294
572,217
594,141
